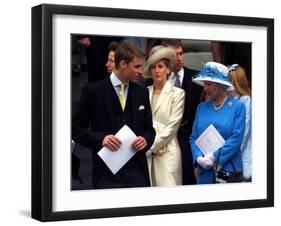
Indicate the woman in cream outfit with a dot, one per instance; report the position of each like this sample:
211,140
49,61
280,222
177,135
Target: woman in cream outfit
167,105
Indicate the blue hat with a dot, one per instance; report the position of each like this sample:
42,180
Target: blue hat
213,72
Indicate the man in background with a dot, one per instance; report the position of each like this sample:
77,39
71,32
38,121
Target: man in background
110,64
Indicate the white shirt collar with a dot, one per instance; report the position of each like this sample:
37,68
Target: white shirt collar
180,73
114,80
117,83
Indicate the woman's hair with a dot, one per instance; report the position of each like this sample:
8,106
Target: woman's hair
204,96
113,46
240,81
166,62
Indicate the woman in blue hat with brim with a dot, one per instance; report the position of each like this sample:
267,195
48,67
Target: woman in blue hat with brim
227,115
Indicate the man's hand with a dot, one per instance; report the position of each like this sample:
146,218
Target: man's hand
112,142
139,144
85,41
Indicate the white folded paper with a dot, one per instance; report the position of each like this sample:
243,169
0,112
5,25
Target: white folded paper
115,160
210,140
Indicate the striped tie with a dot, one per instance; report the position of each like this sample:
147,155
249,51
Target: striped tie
177,82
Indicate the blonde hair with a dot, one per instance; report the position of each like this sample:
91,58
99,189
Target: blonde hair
240,81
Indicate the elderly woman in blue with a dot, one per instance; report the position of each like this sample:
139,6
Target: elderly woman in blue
227,115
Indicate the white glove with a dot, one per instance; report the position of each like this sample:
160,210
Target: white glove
211,158
205,162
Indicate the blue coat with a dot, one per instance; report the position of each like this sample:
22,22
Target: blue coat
229,120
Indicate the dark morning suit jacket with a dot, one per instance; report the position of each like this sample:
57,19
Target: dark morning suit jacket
192,99
99,114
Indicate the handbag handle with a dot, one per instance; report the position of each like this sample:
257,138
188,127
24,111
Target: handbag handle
216,166
217,162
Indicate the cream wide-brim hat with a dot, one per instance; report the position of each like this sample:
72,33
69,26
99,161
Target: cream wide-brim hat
214,72
156,54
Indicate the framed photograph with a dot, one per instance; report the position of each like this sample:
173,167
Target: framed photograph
63,39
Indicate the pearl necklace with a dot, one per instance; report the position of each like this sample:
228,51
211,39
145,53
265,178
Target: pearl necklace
220,106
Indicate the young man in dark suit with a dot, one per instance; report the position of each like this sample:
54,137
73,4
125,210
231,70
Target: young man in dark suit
105,107
182,78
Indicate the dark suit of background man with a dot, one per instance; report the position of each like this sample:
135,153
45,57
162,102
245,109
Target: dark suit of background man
192,99
100,115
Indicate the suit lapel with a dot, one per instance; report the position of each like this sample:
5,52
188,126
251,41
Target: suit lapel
163,95
150,90
109,96
133,97
186,79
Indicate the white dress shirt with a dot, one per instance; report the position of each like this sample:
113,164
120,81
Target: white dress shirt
172,77
117,85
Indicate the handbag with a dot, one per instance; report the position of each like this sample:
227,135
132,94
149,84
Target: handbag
221,177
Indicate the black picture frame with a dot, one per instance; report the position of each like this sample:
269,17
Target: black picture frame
42,106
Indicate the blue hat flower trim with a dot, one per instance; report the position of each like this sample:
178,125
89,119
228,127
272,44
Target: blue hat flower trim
213,72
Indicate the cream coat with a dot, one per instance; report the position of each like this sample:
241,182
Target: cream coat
165,163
